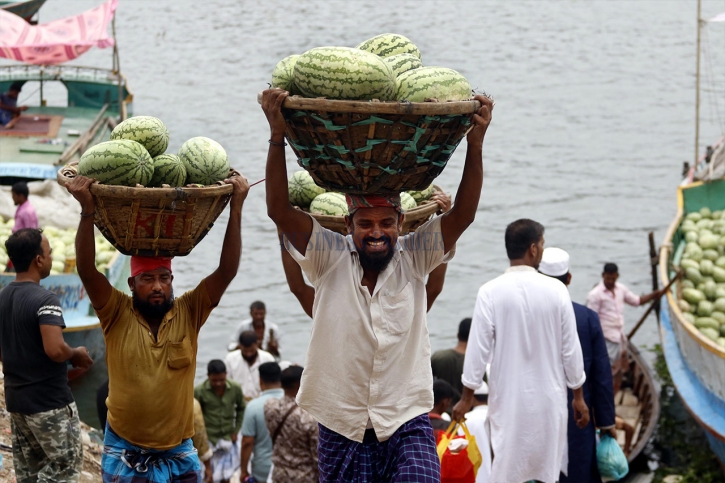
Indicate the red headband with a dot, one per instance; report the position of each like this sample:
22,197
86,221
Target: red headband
355,202
140,265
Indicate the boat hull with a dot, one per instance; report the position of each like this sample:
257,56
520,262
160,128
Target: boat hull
90,337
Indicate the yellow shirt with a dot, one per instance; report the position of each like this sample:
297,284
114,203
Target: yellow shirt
151,379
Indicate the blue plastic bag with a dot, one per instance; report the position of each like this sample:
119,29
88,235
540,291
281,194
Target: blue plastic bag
611,461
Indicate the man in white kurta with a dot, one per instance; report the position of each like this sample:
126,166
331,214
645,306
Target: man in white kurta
524,325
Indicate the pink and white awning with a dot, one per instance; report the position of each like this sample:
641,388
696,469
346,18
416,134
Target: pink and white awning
58,41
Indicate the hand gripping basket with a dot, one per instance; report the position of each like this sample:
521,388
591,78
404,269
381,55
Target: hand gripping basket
413,218
375,147
155,221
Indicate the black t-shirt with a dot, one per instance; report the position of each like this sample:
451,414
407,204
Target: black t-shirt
33,382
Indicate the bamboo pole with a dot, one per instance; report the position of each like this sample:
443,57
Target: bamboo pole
655,302
654,261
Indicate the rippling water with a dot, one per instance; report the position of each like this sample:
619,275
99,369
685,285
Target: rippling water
594,117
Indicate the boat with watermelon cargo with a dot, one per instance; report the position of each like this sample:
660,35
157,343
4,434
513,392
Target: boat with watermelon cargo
47,137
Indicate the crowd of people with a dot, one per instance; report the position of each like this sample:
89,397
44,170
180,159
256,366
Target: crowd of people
531,374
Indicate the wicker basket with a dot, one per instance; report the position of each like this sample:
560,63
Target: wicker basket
413,218
155,221
375,147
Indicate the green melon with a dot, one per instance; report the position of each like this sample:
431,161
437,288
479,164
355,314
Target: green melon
118,162
386,45
205,161
407,202
421,196
333,204
149,131
283,74
439,83
401,63
168,169
344,73
302,189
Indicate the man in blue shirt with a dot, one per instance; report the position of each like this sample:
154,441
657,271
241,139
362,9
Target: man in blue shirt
255,436
9,109
598,393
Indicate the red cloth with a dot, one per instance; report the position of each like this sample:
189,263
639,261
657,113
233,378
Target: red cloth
355,202
140,265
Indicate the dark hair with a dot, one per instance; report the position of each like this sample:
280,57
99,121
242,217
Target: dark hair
20,188
269,372
482,398
611,268
216,367
442,390
520,235
464,328
23,246
291,376
257,305
247,338
16,86
562,278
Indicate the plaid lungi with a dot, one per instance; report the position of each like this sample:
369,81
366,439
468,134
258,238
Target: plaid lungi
408,456
123,462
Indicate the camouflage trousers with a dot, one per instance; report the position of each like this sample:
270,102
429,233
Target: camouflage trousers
47,446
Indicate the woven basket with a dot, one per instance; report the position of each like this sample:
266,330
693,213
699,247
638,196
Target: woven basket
375,147
413,218
155,221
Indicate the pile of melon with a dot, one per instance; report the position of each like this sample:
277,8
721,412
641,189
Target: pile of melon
303,192
387,67
702,289
136,155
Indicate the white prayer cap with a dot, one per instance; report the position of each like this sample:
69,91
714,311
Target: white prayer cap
481,391
554,262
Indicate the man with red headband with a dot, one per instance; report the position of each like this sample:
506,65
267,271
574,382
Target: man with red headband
367,376
151,345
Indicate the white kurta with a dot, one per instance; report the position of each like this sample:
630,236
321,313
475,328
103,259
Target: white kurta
524,325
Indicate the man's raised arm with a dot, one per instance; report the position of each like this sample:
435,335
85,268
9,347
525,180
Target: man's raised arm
295,224
97,286
455,222
219,280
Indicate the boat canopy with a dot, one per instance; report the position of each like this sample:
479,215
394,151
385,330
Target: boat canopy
58,41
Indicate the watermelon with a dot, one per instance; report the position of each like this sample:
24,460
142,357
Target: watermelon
421,196
118,162
401,63
302,189
710,333
283,73
344,73
439,83
205,161
386,45
407,202
332,204
168,169
149,131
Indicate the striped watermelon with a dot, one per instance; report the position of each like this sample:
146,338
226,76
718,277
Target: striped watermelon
401,63
421,196
332,204
439,83
302,189
386,45
147,130
118,162
168,169
344,73
407,202
205,161
283,74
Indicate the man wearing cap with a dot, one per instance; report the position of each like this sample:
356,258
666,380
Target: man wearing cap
598,387
368,377
151,345
523,324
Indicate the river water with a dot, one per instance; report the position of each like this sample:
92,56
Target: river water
594,117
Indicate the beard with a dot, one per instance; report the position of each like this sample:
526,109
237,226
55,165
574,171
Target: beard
378,261
152,311
250,360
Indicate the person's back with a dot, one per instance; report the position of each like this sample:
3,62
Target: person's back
447,364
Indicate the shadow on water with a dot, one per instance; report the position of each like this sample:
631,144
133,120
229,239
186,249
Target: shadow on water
84,392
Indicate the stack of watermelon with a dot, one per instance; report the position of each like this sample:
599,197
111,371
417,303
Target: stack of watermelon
303,192
386,67
135,155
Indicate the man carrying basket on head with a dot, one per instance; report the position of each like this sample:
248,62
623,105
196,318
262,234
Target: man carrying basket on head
151,345
367,376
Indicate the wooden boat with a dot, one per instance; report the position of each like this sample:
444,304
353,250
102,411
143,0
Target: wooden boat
25,9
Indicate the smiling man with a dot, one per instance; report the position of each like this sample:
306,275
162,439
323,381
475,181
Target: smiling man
367,377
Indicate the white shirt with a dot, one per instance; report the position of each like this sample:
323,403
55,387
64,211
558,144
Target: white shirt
247,376
246,325
476,424
524,325
369,355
